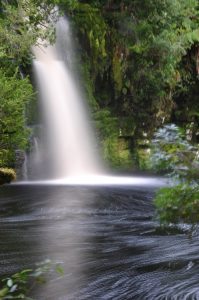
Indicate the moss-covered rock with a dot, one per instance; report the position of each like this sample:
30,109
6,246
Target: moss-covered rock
7,175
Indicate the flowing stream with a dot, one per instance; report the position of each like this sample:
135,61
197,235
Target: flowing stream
105,238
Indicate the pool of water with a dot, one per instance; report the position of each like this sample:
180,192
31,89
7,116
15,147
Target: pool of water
106,239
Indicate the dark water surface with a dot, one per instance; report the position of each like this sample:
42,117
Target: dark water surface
105,238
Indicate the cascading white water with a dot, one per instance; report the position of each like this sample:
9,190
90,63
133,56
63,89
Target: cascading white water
69,142
36,150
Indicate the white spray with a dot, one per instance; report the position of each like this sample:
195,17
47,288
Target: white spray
70,145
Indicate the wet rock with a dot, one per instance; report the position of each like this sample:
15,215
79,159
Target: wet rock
7,175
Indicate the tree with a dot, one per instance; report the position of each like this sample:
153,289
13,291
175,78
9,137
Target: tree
14,94
22,25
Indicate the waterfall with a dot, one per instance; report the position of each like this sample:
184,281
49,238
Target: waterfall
69,146
36,149
65,149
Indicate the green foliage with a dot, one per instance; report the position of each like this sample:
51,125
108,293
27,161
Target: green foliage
116,153
106,124
144,159
173,153
23,23
7,175
163,38
21,26
135,49
14,94
88,85
20,284
92,29
178,204
115,150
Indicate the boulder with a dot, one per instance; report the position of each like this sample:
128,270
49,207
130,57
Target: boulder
7,175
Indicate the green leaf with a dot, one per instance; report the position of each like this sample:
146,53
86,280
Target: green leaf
59,269
3,292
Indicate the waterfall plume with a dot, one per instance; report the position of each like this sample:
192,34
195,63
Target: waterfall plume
69,146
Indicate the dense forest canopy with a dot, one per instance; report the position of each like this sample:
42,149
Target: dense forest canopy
139,61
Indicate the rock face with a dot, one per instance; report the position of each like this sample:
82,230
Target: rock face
19,162
7,175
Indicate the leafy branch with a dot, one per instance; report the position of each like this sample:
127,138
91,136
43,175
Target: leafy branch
20,284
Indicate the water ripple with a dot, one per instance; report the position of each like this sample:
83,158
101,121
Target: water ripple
107,238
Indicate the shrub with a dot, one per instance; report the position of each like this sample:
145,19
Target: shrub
178,204
172,153
175,155
20,284
7,175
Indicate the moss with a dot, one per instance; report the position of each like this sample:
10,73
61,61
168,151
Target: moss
144,159
7,175
117,154
117,72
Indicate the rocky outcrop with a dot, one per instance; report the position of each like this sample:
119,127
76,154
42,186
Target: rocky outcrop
19,163
7,175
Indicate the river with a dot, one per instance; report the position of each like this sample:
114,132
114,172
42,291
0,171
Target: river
105,238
